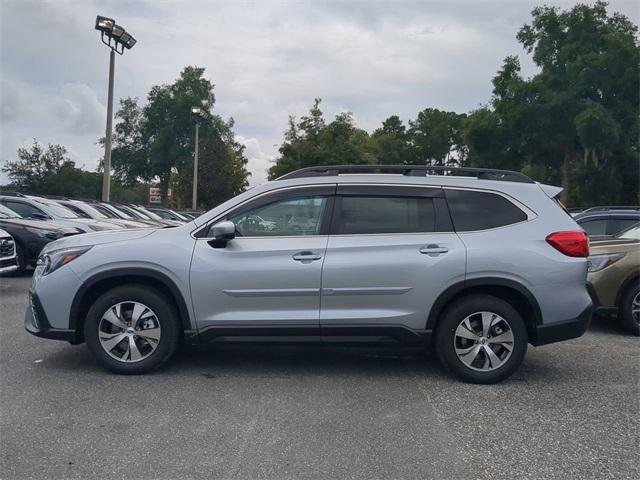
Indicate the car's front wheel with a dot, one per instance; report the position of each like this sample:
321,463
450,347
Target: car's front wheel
132,329
481,339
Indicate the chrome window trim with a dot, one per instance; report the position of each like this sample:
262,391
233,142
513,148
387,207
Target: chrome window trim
531,215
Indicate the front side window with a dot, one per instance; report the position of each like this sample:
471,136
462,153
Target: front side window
286,217
472,210
362,215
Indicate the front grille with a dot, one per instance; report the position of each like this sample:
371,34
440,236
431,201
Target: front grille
7,248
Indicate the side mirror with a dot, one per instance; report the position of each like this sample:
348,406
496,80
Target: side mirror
39,216
223,231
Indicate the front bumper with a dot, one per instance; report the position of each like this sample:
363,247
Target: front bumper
557,332
8,265
37,323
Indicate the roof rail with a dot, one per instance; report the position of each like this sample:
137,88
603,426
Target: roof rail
409,170
54,197
615,207
11,194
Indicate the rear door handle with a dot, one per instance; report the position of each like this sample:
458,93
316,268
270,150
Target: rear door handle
433,250
306,256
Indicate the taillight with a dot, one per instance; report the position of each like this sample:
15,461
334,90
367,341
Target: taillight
572,244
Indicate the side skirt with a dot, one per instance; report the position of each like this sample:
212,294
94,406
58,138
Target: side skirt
296,334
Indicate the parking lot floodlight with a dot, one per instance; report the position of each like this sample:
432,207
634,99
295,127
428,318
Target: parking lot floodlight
117,39
117,31
104,24
132,41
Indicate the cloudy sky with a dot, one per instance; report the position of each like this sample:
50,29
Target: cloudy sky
268,60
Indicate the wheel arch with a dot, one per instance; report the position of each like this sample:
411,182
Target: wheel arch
514,292
99,283
632,279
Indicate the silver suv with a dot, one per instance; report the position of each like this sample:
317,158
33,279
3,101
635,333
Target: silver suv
478,263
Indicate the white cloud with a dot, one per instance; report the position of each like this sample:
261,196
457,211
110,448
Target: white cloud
259,161
268,60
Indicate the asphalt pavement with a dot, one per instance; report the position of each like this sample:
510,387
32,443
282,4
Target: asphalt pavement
280,412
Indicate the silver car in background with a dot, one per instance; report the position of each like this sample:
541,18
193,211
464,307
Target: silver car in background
475,263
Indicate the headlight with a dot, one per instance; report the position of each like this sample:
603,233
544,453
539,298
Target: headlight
600,262
50,234
53,260
97,227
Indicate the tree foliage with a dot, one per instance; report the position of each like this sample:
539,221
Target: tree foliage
573,123
49,170
155,142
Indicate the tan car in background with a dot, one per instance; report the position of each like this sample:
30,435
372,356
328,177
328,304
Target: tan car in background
614,277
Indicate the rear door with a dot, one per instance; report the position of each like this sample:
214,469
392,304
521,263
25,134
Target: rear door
391,252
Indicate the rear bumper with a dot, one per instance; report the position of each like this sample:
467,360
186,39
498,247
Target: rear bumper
37,323
598,308
557,332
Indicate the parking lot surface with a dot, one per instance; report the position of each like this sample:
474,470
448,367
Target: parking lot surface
278,412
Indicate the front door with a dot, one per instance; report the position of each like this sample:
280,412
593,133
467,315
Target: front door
391,252
270,273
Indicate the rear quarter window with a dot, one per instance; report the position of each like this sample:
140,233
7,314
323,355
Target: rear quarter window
472,210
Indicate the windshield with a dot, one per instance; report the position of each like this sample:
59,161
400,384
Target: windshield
55,209
89,210
152,215
631,233
117,212
133,213
7,213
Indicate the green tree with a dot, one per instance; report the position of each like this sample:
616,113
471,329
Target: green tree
576,121
155,142
436,138
391,142
50,172
312,142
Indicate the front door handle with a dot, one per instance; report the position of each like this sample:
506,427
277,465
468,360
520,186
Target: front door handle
306,256
433,250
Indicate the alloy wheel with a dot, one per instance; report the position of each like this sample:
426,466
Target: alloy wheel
483,341
129,331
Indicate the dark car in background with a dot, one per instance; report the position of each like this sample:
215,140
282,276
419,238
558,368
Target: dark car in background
39,208
606,222
31,235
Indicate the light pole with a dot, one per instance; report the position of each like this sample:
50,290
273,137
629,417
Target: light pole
117,39
199,115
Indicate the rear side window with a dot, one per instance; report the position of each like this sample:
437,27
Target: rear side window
595,227
472,210
378,214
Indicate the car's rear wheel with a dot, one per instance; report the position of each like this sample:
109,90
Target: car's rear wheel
132,329
481,339
630,309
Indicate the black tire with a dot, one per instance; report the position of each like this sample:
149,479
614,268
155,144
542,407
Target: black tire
458,312
165,313
626,315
